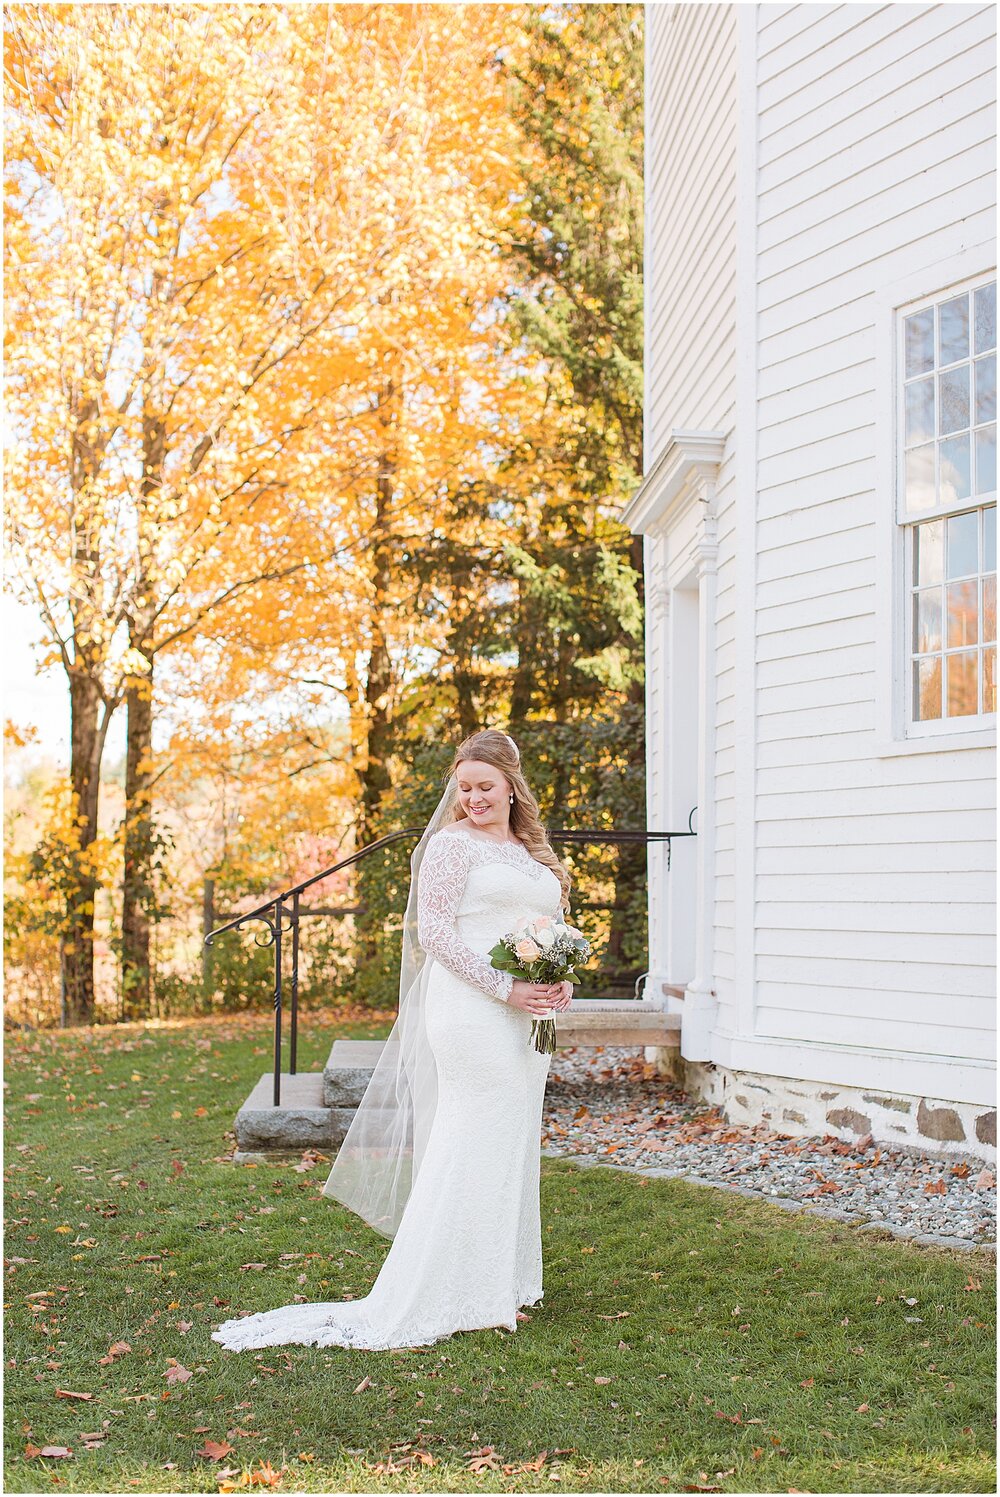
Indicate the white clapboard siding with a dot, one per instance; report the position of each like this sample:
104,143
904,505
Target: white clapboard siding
824,690
884,53
873,874
873,910
920,771
908,799
826,917
862,829
865,135
964,888
945,1041
870,858
944,978
690,196
833,558
855,1003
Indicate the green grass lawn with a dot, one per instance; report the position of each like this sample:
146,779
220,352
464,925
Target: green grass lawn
689,1339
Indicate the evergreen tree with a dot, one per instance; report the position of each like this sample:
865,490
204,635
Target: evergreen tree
576,91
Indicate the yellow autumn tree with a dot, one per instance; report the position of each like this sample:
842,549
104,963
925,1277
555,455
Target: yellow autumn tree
440,398
223,227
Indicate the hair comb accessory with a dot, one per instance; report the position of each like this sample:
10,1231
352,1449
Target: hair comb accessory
513,745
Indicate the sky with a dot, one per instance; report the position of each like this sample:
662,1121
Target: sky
40,700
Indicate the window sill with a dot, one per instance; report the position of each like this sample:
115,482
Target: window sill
937,743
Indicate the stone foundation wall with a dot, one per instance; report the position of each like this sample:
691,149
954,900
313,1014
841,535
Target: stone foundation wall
803,1108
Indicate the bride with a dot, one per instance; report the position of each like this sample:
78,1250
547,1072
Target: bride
443,1153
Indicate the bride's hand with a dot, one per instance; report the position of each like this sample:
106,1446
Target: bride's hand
566,996
536,997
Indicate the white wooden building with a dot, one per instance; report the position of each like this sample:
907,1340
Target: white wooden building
819,522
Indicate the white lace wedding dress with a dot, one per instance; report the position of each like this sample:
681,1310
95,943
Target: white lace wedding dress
468,1250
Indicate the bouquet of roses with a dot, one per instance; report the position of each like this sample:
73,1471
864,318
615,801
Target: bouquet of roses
542,950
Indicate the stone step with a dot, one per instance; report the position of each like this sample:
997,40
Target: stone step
348,1071
301,1120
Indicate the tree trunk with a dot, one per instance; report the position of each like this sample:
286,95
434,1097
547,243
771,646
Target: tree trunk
138,874
375,779
76,952
459,647
378,686
523,683
137,890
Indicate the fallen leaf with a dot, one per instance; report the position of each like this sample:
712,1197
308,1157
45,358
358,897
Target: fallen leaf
215,1450
115,1350
484,1460
266,1476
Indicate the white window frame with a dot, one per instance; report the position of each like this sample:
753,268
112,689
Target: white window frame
895,732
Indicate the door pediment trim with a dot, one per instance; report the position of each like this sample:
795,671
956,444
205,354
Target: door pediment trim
685,471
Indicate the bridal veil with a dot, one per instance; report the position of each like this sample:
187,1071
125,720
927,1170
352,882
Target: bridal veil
380,1156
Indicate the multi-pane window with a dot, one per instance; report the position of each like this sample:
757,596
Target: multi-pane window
946,485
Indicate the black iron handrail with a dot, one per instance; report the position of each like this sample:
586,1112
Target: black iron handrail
273,914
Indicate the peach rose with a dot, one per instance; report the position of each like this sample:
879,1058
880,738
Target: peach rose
527,951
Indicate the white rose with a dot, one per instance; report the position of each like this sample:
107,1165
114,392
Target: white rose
545,938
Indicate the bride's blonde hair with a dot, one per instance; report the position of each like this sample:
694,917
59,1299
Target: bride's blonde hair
491,746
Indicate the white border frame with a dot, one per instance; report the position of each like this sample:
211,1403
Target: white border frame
893,733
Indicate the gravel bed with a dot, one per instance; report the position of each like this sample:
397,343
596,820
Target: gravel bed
604,1105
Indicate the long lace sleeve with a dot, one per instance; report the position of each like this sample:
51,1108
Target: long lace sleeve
441,882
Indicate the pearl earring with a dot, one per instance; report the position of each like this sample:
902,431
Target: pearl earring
512,800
